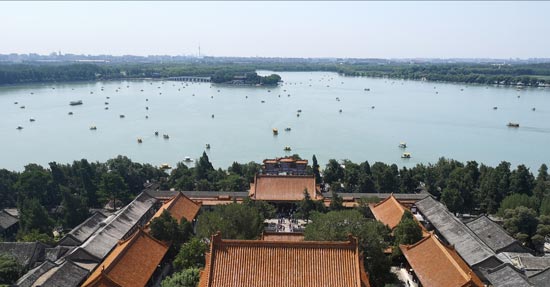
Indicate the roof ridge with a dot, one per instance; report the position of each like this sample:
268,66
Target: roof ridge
445,249
467,229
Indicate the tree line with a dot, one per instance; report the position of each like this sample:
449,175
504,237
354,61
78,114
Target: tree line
220,72
66,72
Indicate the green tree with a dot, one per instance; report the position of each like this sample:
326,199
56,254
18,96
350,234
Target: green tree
452,199
35,236
191,255
75,208
36,182
518,199
166,228
521,181
372,235
363,205
306,206
10,270
406,232
316,169
33,216
542,183
545,206
521,222
337,202
113,188
265,208
235,221
333,172
8,194
203,167
186,278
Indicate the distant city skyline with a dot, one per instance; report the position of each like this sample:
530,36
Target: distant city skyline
279,29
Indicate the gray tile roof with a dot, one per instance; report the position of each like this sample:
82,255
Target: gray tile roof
505,276
114,228
66,274
25,253
491,233
534,262
399,196
541,279
57,252
7,220
171,193
30,277
84,230
467,244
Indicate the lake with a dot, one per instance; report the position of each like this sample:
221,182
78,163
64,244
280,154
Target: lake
434,119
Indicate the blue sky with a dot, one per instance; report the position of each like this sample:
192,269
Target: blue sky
282,29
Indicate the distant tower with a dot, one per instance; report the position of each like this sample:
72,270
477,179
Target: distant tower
199,50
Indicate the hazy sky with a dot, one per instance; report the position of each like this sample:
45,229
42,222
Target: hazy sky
283,29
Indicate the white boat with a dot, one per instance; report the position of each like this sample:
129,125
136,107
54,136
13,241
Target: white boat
403,145
406,155
187,159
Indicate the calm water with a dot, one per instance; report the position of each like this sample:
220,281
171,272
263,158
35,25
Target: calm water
452,123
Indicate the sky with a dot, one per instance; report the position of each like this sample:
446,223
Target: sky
510,29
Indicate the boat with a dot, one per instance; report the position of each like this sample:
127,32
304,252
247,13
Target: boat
263,102
31,120
513,125
406,155
187,159
212,115
533,109
287,148
106,103
299,111
139,140
275,131
495,108
207,146
287,129
93,128
106,108
165,136
22,107
340,110
15,103
372,107
165,166
403,145
19,127
75,103
156,133
70,113
121,116
298,115
367,89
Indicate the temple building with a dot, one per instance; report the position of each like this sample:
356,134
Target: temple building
265,263
180,207
132,263
285,165
388,211
435,264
